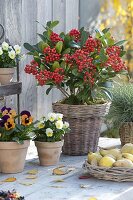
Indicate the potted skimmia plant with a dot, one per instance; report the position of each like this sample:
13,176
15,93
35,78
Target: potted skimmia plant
79,65
9,56
14,139
49,134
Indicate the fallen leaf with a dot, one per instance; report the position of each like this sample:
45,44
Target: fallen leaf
62,170
56,186
10,179
32,171
58,180
84,186
26,183
85,177
31,177
92,198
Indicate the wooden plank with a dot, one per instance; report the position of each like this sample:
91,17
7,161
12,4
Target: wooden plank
44,14
72,14
59,10
11,89
28,98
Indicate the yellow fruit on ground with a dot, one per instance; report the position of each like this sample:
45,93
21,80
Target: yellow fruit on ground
128,156
92,155
127,148
123,163
92,198
106,161
114,152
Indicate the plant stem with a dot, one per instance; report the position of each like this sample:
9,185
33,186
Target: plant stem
63,91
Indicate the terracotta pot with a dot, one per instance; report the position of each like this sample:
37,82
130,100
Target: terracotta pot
12,156
85,124
49,152
6,75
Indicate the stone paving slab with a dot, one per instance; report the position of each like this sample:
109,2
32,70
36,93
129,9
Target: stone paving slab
45,187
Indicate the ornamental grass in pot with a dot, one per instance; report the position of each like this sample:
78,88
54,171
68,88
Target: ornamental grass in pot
121,112
48,139
14,139
9,56
79,65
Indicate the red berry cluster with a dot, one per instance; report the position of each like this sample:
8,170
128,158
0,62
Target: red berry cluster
89,77
91,45
75,34
32,68
81,59
51,55
45,75
114,50
54,37
116,63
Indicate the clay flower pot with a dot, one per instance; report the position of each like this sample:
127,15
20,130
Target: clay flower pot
49,152
12,156
6,75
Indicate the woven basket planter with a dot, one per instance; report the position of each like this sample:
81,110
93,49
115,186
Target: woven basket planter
118,174
126,133
85,124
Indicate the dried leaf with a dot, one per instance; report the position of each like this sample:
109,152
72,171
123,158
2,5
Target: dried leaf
84,186
26,183
85,177
32,171
31,177
62,170
56,186
59,180
10,179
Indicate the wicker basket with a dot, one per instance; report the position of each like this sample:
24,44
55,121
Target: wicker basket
85,123
118,174
126,133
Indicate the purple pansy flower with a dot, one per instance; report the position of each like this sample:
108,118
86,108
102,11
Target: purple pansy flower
25,112
5,108
3,120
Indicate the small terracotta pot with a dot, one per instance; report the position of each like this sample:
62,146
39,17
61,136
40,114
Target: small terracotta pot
49,152
12,156
6,75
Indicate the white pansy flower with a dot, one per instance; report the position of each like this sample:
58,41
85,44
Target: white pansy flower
66,125
49,132
12,54
51,117
59,116
59,124
17,49
1,51
5,46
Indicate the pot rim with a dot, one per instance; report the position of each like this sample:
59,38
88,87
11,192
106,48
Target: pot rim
49,144
14,145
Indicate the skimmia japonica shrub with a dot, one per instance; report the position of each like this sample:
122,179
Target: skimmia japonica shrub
76,63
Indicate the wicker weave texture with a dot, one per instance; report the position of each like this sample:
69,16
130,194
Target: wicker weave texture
118,174
85,124
126,133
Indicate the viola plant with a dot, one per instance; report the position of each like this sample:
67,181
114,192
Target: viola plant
9,55
10,195
10,130
51,128
76,63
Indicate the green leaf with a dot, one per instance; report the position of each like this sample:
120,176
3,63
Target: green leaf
42,45
49,89
122,53
42,37
16,139
66,51
74,45
107,93
29,47
120,43
67,39
99,34
75,72
84,37
63,64
59,46
105,30
55,65
102,55
51,25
